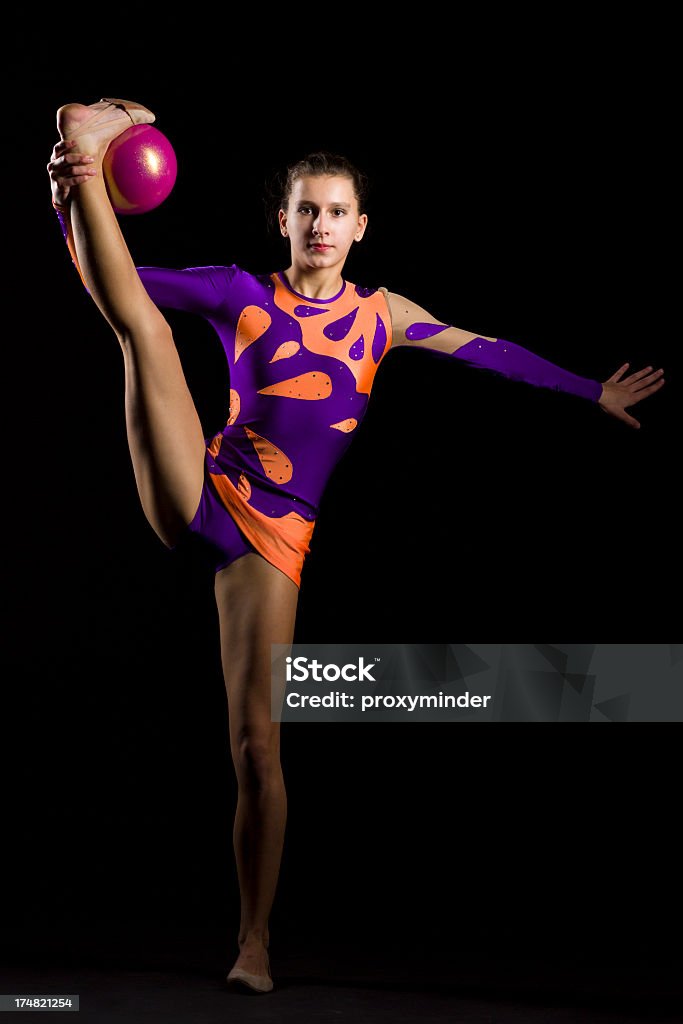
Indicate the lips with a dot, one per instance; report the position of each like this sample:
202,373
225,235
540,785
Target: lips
316,245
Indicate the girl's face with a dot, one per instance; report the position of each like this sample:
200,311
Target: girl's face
322,220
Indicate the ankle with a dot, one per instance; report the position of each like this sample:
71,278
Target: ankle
254,936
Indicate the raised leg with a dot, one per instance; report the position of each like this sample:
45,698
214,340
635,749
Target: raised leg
256,607
165,434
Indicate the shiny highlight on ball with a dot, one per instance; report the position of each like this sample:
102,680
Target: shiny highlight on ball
140,169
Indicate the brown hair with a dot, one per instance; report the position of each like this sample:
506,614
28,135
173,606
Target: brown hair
317,164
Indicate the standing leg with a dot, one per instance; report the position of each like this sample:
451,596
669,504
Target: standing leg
256,607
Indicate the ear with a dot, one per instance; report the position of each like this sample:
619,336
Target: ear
282,218
362,224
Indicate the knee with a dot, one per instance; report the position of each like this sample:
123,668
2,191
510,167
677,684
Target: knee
257,760
149,328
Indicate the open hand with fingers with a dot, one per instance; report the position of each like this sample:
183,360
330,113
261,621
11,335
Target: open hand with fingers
618,395
68,167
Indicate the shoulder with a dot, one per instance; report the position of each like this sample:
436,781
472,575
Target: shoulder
378,298
234,277
212,273
227,271
234,285
403,312
380,294
399,306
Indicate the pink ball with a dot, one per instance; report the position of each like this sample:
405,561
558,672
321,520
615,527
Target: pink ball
140,169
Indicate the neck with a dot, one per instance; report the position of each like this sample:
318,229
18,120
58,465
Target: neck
315,282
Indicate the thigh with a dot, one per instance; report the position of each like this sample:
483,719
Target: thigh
164,431
256,608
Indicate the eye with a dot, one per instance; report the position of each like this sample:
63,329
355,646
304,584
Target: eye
339,210
303,209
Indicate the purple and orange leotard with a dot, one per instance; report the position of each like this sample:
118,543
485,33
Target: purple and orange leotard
301,373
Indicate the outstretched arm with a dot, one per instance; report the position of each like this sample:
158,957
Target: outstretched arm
412,325
193,289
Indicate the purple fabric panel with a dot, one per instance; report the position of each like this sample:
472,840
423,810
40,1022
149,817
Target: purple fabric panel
65,224
420,331
511,360
199,290
62,223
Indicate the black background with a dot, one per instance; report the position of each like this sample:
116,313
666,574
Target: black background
502,202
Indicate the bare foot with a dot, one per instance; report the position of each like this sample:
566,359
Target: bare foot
97,124
252,967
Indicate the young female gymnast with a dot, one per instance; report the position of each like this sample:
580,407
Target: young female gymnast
303,347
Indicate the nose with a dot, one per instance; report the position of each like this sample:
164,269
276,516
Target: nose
319,228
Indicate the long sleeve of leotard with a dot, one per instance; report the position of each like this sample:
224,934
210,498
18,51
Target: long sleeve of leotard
193,289
511,360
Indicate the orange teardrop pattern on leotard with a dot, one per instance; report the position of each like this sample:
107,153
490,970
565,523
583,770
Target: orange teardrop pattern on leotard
215,445
276,465
372,316
244,487
310,386
253,322
346,425
285,350
234,406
